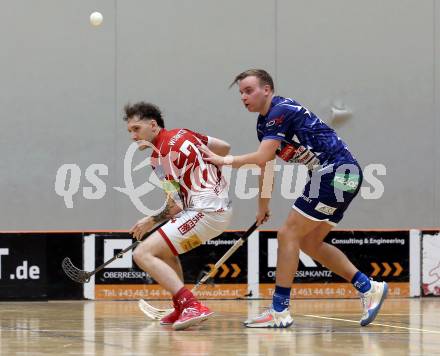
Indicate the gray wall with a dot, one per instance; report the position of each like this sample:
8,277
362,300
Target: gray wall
63,84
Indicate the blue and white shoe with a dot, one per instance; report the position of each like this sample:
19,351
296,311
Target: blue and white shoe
270,319
372,301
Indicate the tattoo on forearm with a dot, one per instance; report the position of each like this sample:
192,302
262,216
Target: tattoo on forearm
165,214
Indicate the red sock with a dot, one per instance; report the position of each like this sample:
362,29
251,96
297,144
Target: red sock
184,297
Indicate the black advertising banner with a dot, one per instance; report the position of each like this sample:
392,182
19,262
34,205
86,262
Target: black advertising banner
382,255
22,267
201,259
30,266
122,270
123,279
59,246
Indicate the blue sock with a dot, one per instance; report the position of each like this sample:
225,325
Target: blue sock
361,282
281,298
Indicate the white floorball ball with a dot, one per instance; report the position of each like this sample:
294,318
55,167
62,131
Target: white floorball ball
96,18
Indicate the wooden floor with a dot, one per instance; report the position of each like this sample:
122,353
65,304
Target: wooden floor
405,326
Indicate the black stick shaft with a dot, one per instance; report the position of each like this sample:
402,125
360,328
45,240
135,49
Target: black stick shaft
133,245
249,231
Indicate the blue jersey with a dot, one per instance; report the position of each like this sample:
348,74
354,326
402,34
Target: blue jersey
305,139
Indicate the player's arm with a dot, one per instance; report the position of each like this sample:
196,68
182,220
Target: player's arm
266,152
146,224
173,203
172,207
265,181
219,147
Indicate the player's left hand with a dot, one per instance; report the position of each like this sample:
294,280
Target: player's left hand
210,156
142,227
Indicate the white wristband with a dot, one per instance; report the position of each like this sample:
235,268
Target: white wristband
228,159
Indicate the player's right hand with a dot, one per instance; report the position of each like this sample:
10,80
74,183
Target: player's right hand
263,215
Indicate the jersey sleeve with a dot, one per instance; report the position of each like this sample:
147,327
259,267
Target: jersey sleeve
276,125
202,138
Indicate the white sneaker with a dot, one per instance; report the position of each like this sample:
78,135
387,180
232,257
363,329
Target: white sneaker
372,301
270,319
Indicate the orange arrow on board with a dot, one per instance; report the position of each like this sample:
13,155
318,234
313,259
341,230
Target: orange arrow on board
225,271
387,269
399,268
237,270
376,269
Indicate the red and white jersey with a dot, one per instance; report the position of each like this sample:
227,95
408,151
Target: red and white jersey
179,164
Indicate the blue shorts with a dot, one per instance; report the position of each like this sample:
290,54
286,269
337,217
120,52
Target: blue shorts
329,192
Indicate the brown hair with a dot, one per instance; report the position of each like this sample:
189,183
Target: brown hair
263,76
145,111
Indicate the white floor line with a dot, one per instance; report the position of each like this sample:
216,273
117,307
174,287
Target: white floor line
376,324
